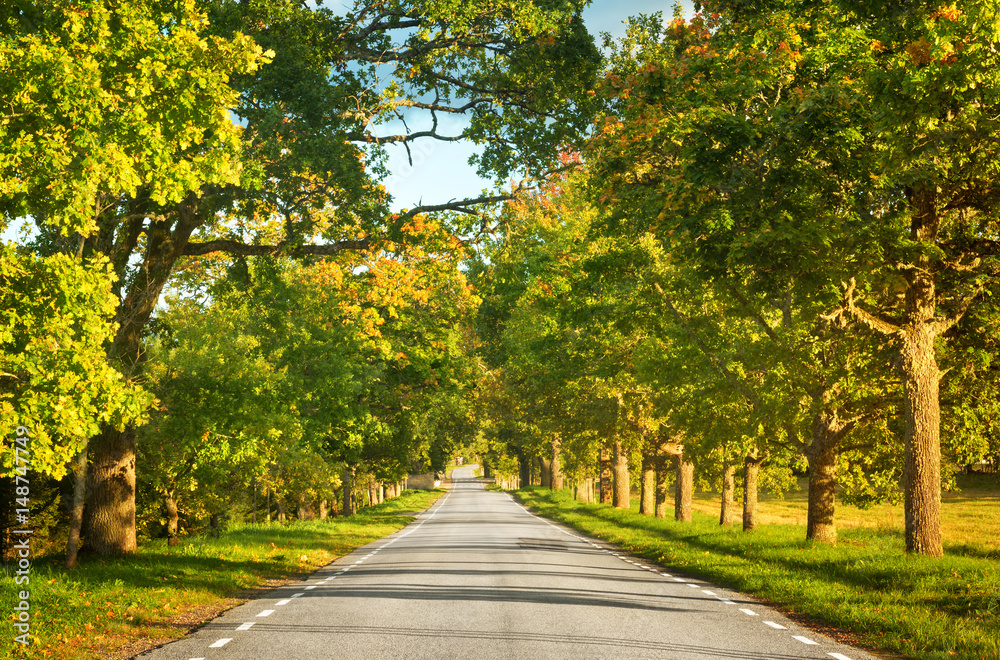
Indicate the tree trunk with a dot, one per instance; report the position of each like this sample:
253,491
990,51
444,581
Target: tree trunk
170,504
605,467
76,514
922,448
921,380
662,485
281,509
523,469
580,491
751,469
110,511
822,455
623,483
647,497
111,505
322,509
214,522
727,514
545,472
684,489
556,467
350,506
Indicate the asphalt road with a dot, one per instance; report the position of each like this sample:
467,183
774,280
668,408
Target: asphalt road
477,576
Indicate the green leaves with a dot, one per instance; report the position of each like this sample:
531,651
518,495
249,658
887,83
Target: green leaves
54,377
107,99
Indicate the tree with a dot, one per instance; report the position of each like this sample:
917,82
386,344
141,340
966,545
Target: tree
54,378
307,158
797,142
105,102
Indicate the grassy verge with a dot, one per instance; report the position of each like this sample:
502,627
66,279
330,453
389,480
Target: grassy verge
117,607
867,585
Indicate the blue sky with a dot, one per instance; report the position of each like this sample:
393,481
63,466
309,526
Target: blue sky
440,171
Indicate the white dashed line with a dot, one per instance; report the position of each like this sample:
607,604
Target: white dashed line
679,580
748,612
693,586
666,574
284,602
359,561
805,640
220,643
313,586
298,595
838,656
245,626
726,600
706,591
776,626
266,613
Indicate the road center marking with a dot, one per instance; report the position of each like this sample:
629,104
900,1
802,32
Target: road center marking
266,613
748,612
284,602
805,640
706,591
245,626
298,595
776,626
220,643
312,586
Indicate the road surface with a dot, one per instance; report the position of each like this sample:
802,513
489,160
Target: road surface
477,576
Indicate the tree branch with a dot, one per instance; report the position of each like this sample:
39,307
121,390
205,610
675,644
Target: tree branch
866,318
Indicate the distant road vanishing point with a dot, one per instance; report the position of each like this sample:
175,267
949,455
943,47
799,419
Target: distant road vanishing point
477,576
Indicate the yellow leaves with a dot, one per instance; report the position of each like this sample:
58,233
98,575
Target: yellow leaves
948,13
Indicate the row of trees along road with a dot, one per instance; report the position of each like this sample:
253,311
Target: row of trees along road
141,135
786,224
780,230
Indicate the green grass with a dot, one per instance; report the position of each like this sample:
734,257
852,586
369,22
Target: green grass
106,604
866,586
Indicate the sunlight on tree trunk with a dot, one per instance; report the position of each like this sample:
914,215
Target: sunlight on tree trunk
622,479
727,513
111,505
76,513
751,469
684,489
